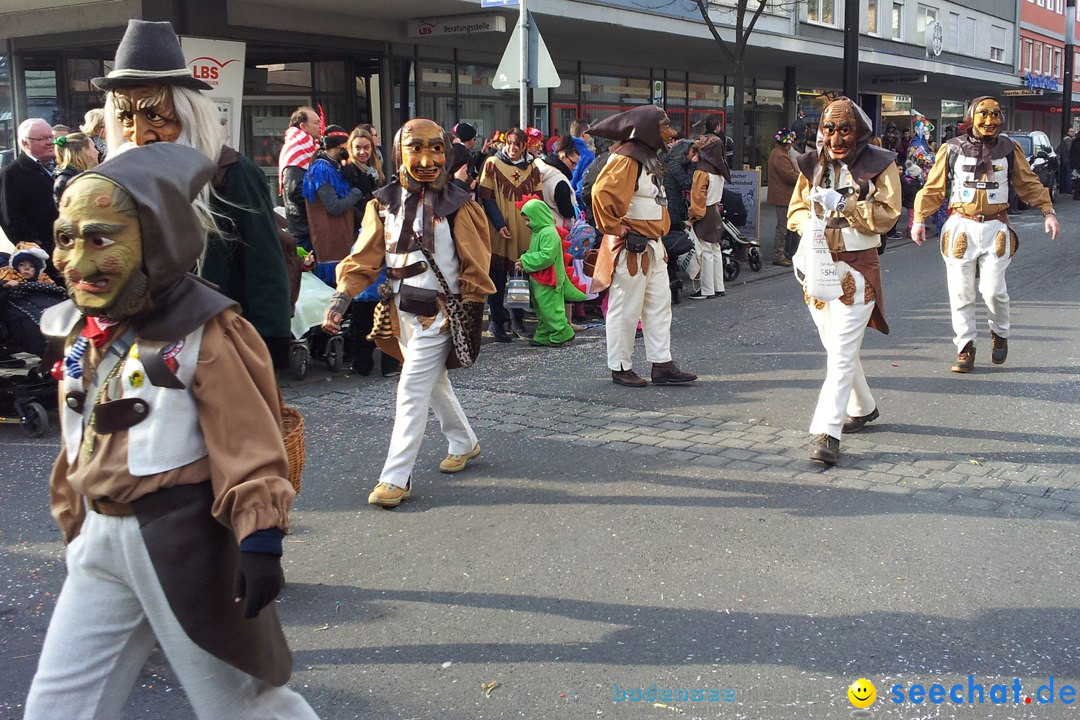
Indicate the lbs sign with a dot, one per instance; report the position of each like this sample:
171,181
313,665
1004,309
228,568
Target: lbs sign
219,64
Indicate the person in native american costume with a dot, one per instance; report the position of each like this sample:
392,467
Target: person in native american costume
974,172
630,208
507,177
857,187
429,234
171,486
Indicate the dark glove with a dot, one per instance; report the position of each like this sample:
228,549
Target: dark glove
258,581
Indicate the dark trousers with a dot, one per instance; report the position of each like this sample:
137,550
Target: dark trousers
360,325
499,314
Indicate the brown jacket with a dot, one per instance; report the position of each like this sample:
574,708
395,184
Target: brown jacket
782,176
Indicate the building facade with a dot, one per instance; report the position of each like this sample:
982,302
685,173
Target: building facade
378,62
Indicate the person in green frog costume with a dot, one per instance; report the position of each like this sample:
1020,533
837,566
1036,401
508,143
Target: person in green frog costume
551,288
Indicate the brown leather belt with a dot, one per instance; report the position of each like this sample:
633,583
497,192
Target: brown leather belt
417,268
999,215
111,508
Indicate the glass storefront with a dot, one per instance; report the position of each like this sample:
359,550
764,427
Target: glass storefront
7,107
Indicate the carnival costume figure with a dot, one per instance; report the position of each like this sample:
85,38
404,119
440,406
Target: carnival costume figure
630,208
974,173
172,516
546,265
427,231
706,198
857,187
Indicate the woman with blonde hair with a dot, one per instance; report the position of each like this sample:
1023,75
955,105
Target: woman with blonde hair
75,153
362,169
94,127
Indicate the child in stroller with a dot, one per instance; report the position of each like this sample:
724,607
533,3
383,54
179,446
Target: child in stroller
25,293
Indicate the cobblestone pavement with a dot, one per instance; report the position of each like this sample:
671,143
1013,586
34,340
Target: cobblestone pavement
710,440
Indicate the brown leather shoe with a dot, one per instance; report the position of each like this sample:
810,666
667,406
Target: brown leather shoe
628,378
965,361
1001,349
825,449
782,262
855,424
668,374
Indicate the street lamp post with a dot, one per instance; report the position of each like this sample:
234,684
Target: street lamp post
851,49
1067,71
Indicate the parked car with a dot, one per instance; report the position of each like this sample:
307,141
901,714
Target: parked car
1041,157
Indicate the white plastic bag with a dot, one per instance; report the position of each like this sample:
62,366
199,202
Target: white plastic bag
693,263
813,263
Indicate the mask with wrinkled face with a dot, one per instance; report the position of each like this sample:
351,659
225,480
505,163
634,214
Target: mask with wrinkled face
986,119
146,114
423,154
99,248
839,130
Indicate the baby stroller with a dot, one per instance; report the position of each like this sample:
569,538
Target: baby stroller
734,245
308,338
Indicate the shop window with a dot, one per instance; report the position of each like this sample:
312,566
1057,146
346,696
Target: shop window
437,77
603,96
42,98
7,109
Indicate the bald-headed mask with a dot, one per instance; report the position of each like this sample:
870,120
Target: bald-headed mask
99,248
986,118
146,113
839,130
421,146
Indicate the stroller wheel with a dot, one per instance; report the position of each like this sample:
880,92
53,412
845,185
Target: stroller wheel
731,268
298,361
35,421
754,258
335,353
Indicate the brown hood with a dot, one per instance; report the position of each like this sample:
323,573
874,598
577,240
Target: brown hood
163,179
983,149
636,131
712,156
865,163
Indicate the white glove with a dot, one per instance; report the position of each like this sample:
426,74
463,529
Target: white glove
830,199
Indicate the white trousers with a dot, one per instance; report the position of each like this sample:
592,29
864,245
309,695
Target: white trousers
712,269
110,612
644,297
841,326
424,383
967,244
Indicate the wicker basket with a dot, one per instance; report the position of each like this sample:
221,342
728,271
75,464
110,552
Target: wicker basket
292,432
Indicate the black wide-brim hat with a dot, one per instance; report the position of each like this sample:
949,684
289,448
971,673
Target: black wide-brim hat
149,54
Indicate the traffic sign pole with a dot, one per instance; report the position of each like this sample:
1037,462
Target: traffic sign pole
523,100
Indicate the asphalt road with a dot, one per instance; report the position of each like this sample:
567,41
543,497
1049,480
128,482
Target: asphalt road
562,564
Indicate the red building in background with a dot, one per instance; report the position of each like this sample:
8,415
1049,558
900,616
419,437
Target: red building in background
1040,65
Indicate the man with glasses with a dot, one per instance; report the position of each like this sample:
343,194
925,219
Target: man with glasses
27,210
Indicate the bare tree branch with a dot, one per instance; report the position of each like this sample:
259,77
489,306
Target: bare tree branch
703,8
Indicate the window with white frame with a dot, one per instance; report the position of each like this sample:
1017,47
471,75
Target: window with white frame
967,37
954,32
871,17
1026,56
925,15
997,43
1059,8
1036,65
1057,63
1040,3
897,21
821,11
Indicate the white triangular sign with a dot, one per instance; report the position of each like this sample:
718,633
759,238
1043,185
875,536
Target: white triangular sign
542,72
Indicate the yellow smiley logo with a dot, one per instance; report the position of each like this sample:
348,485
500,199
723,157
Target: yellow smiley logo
862,693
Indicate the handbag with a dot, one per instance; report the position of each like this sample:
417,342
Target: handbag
465,320
517,293
690,262
813,261
635,243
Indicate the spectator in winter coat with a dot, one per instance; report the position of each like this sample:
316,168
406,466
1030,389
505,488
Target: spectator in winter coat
783,174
